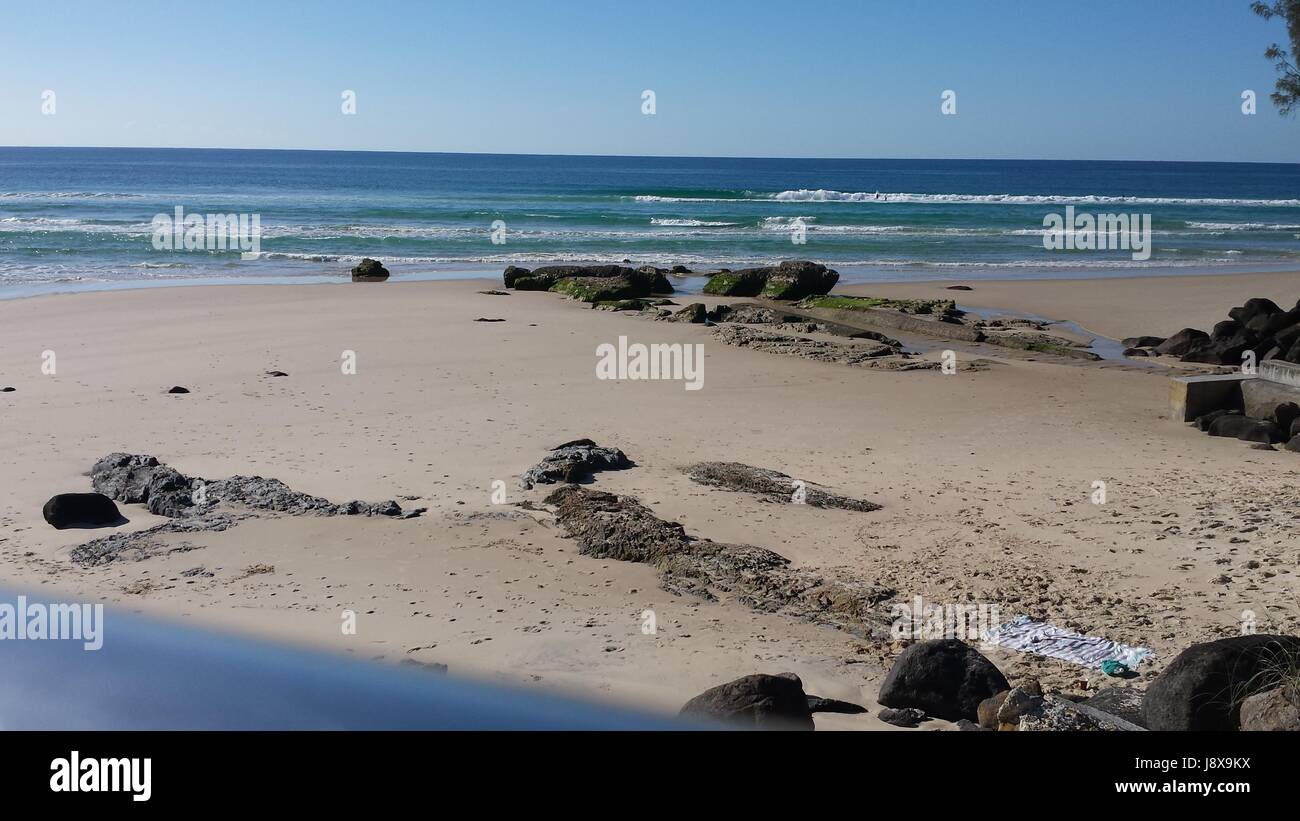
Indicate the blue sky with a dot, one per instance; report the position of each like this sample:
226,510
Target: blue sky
1110,79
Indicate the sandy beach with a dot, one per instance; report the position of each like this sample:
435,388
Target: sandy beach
984,478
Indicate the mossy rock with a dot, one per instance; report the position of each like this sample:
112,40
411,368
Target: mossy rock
598,289
735,283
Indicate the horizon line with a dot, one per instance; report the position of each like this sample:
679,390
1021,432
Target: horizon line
628,156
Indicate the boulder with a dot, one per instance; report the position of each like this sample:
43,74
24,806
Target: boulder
1017,703
1143,341
1204,686
1253,308
759,701
1246,428
81,510
946,678
369,270
1181,342
1272,710
695,312
1204,421
1286,415
1293,444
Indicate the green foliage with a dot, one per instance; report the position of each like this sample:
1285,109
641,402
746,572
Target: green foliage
1286,94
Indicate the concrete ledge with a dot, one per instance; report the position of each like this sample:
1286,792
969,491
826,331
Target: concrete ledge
1193,396
1281,372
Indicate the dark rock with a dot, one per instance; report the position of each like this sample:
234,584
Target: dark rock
901,717
1262,446
817,704
1286,415
1295,428
485,319
573,461
1143,341
1293,444
8,389
1204,421
626,282
695,312
770,484
1246,429
276,373
1124,702
138,479
1135,352
793,279
680,269
1204,686
369,270
81,510
495,292
139,545
945,677
1253,308
1226,329
1272,710
960,288
1181,342
177,389
759,701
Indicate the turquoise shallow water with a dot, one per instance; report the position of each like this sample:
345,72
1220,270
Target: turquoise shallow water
79,218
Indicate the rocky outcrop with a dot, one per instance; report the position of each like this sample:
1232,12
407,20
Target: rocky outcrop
946,678
369,270
867,354
619,527
596,283
145,544
759,702
1246,429
141,479
81,510
573,462
771,485
1260,326
1204,686
793,279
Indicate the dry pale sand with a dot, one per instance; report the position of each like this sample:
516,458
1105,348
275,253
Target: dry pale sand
985,478
1117,308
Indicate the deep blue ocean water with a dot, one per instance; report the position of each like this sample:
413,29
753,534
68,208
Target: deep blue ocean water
81,217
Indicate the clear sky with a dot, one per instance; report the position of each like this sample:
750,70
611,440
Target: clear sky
1106,79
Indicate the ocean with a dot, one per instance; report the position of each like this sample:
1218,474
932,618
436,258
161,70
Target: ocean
82,218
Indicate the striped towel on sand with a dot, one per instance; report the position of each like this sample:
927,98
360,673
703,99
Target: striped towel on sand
1031,636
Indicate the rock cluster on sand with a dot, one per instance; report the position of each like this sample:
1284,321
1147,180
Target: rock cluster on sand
81,510
771,485
369,270
573,462
1281,425
620,527
866,354
792,279
590,283
1259,326
165,491
946,678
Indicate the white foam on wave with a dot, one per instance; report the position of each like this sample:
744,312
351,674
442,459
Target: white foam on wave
882,197
689,223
